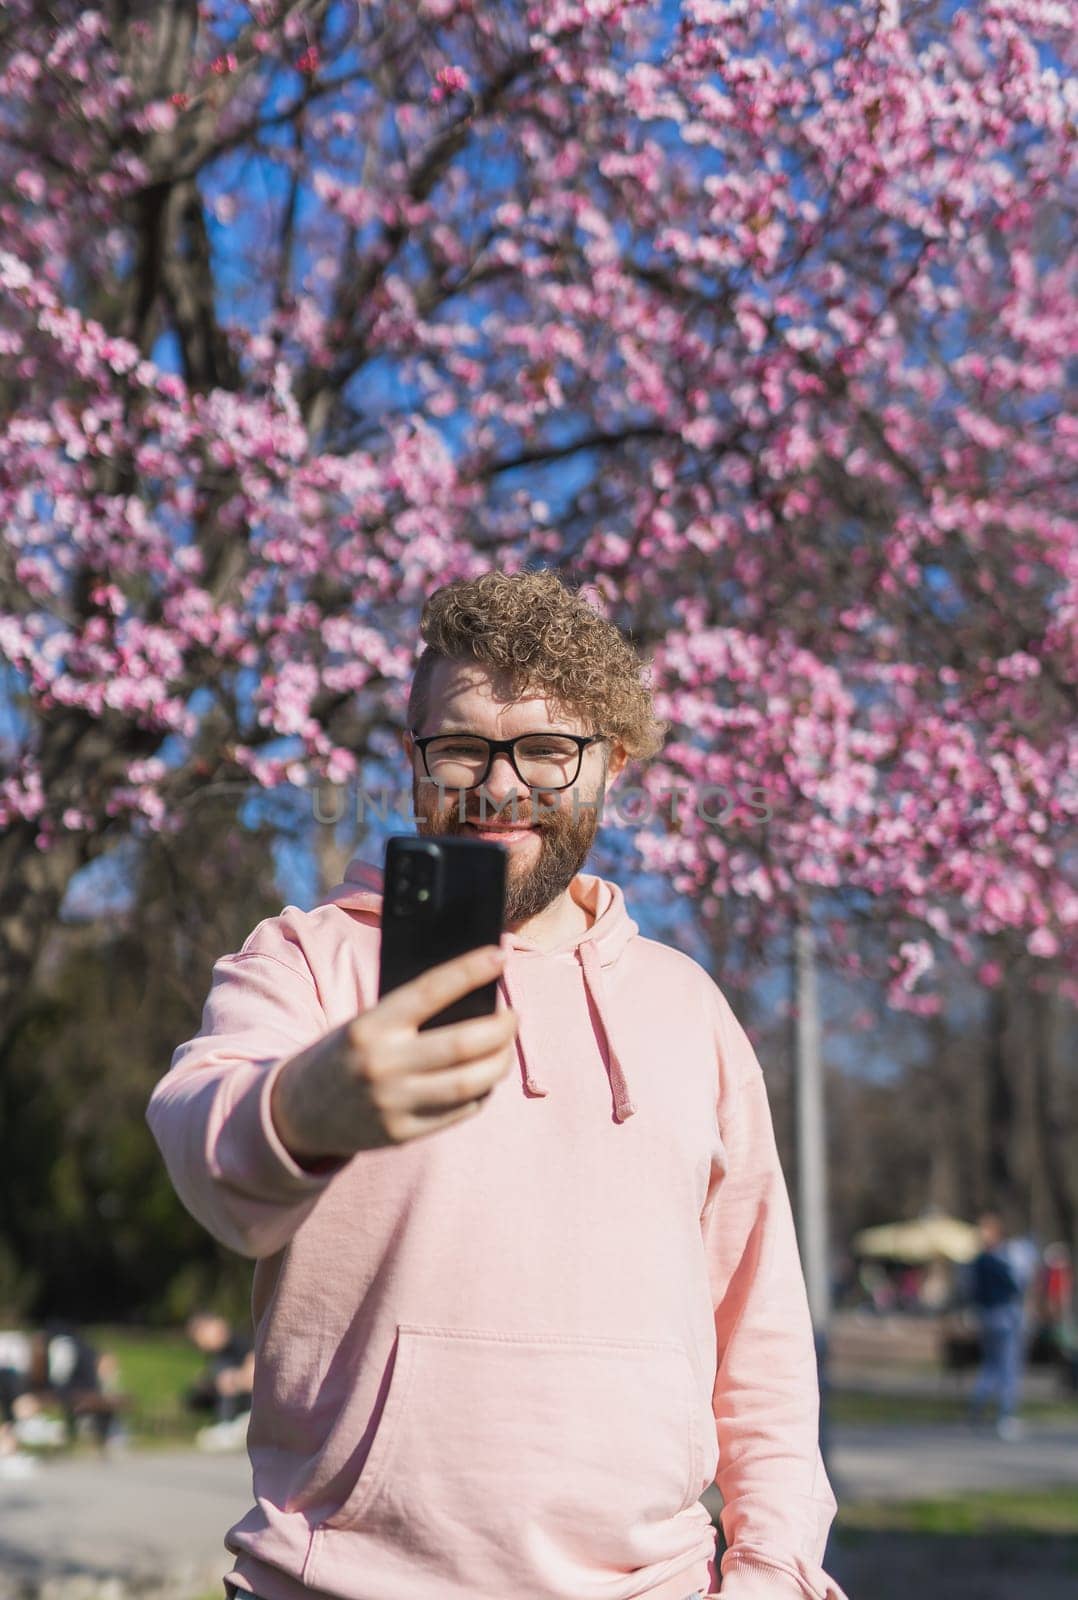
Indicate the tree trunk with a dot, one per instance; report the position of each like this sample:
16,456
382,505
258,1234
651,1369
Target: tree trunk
1054,1115
1001,1104
32,887
334,808
936,1102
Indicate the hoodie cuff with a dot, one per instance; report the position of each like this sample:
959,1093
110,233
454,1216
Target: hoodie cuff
274,1168
751,1578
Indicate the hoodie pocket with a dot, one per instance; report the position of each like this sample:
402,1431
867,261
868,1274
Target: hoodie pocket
486,1439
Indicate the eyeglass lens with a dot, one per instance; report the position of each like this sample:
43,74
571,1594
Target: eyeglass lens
543,760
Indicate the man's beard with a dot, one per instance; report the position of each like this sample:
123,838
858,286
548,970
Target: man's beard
564,841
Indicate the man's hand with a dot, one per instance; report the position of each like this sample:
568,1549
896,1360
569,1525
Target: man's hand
377,1080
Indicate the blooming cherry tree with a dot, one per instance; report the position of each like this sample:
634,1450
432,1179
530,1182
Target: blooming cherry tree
757,319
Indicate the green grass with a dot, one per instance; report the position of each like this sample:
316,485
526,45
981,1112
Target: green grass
155,1369
155,1366
989,1512
859,1405
988,1546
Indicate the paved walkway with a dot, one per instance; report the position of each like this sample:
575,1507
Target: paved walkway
154,1519
145,1516
917,1462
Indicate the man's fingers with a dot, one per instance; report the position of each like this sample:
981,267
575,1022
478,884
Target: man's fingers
458,1086
424,996
459,1042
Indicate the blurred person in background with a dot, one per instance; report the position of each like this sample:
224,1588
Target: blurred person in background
999,1278
55,1366
16,1356
1057,1312
226,1383
936,1286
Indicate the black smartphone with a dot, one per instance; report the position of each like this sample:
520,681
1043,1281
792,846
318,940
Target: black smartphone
441,897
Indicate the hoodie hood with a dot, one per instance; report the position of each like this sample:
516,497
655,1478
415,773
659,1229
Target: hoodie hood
594,952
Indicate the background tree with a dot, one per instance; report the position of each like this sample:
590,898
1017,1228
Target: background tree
757,319
91,1224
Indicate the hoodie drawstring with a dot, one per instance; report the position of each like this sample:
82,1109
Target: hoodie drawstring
526,1055
527,1047
593,976
539,1037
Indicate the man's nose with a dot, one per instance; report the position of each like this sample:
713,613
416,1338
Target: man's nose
502,782
502,772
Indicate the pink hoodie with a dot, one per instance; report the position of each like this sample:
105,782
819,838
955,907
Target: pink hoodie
504,1360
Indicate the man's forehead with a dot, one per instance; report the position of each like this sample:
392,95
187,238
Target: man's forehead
470,694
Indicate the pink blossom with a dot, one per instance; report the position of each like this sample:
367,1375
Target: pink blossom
831,485
450,80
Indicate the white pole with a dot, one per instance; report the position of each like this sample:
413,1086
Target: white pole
812,1227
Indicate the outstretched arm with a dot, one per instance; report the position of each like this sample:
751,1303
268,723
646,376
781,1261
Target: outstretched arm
210,1113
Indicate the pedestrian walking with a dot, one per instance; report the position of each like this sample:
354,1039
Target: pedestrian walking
999,1279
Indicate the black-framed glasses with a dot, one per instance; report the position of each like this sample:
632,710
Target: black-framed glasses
540,760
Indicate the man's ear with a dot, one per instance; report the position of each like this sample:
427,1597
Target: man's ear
616,761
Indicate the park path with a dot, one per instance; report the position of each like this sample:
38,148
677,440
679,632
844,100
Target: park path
152,1519
155,1520
896,1461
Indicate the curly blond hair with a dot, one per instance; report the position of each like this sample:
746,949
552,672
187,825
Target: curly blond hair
545,637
